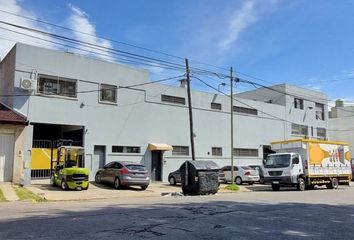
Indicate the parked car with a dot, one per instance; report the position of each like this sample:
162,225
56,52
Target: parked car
242,174
260,172
123,174
175,177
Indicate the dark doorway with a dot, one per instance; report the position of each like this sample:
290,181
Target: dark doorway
267,150
156,165
100,151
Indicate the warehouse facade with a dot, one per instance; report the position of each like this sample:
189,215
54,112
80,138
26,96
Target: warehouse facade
341,124
68,96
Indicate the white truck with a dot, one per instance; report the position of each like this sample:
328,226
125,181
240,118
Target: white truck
305,163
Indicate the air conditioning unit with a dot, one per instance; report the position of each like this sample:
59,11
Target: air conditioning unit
28,84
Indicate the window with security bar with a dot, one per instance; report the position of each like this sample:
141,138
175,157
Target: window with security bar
180,150
108,93
51,85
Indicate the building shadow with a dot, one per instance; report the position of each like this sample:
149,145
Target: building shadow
192,220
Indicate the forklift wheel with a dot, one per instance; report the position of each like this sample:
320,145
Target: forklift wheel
63,185
85,187
52,182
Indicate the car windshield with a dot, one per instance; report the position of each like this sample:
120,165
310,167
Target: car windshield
277,161
134,167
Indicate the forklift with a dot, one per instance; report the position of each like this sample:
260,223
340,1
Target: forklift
69,171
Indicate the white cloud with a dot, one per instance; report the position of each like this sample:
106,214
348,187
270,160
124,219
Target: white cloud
241,19
79,21
8,38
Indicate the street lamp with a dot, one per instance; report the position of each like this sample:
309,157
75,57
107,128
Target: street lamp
221,84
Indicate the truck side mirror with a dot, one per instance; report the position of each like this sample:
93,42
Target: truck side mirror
295,160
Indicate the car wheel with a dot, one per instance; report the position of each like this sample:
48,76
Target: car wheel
301,185
275,187
143,187
63,185
117,183
238,180
98,178
250,183
172,181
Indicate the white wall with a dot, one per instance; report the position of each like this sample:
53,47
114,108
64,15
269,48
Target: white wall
140,117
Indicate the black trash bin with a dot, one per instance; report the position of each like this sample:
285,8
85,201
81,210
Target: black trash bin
199,177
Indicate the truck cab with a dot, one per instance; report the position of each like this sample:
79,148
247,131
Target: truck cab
284,169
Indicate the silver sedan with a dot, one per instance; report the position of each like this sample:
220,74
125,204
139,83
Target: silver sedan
123,174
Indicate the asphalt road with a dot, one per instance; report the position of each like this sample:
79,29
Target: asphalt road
259,214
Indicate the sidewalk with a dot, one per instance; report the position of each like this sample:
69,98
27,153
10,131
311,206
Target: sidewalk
100,191
8,191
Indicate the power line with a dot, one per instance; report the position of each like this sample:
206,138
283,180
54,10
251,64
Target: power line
138,58
165,64
99,90
95,46
252,107
92,35
143,48
97,53
110,39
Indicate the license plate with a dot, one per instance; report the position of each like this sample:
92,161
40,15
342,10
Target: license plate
275,182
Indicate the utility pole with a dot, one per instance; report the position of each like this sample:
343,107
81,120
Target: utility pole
232,126
190,110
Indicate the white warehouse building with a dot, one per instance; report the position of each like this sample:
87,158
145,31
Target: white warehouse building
341,124
74,98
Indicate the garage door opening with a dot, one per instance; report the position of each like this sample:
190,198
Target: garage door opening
45,141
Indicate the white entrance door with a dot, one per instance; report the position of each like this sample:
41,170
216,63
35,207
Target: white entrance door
6,156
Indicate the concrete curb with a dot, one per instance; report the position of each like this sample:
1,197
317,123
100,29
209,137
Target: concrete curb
9,192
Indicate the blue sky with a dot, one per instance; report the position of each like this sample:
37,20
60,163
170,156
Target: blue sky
305,43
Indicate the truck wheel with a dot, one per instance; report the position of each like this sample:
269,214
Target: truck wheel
117,183
238,181
301,185
63,185
275,187
143,187
335,183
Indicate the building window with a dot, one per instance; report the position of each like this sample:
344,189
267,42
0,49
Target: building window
51,85
298,103
180,150
216,106
246,152
216,151
319,111
108,93
321,132
125,149
297,129
173,99
245,110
